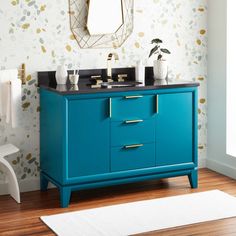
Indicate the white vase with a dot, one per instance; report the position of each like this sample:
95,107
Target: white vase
140,72
61,74
160,69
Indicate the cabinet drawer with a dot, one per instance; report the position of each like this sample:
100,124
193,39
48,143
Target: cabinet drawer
127,158
132,131
132,107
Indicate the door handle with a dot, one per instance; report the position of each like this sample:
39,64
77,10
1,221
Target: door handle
110,107
157,104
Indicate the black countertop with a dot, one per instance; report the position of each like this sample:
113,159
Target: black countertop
47,81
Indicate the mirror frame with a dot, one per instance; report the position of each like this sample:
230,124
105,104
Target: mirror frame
78,13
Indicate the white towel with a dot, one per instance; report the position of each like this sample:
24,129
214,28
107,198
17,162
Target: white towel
10,96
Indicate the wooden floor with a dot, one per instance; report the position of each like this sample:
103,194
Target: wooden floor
23,219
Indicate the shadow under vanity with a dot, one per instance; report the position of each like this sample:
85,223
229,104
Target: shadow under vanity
95,137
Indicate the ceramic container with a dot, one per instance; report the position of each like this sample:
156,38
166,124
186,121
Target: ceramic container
74,79
61,74
160,69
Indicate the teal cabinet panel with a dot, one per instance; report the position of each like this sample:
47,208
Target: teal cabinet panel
51,134
174,129
132,107
132,131
88,137
128,158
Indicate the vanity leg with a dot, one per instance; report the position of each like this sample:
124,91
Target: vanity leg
43,183
193,178
65,194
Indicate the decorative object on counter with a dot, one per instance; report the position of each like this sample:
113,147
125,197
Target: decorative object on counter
159,82
74,87
82,11
61,74
74,78
140,72
160,65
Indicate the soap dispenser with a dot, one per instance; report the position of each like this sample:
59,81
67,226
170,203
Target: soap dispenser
61,74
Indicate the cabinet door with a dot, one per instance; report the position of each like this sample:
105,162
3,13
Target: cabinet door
88,137
174,129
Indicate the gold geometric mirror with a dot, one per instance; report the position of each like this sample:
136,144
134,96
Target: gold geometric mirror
101,23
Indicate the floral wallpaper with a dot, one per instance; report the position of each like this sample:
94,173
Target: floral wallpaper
37,32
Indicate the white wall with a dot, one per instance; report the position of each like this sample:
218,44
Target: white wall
217,159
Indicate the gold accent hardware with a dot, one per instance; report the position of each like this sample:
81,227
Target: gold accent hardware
110,107
133,97
122,77
133,146
133,121
110,80
157,104
96,86
109,58
96,77
21,73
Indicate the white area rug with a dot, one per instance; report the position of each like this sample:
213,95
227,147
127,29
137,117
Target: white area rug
144,216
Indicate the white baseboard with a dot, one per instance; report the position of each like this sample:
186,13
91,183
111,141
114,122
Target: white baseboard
221,168
201,163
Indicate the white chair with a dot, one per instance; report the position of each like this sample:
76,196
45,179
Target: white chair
13,186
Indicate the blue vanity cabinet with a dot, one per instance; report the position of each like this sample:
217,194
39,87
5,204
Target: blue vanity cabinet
102,139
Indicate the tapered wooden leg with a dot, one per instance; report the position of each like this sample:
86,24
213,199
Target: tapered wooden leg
65,194
193,178
43,183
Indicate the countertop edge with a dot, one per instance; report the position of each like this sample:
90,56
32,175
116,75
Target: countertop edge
126,89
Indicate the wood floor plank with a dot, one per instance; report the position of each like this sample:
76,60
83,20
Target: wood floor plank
23,219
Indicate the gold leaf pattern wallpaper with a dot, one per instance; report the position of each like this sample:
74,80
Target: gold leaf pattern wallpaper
37,32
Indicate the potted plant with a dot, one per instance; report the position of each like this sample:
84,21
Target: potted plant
160,66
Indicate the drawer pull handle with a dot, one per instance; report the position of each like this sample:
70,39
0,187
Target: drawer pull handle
133,146
133,97
133,121
110,107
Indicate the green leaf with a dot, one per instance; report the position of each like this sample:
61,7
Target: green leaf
156,41
153,51
164,50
